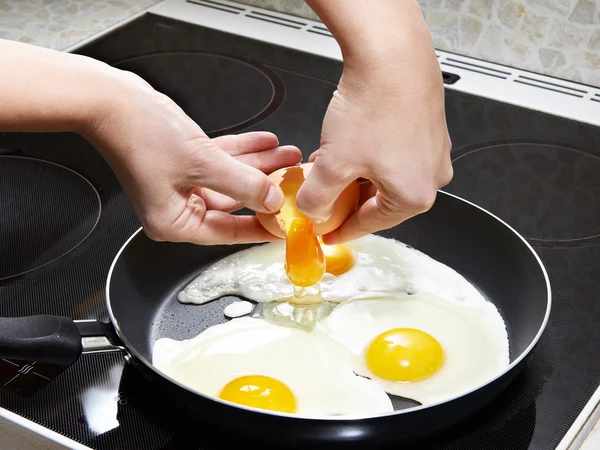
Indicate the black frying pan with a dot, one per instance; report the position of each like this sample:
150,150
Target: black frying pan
141,295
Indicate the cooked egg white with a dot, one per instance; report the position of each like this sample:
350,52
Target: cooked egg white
382,268
471,334
300,372
238,309
405,324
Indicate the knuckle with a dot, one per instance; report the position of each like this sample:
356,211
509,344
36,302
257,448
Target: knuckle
446,175
388,208
446,171
423,200
339,171
133,77
412,200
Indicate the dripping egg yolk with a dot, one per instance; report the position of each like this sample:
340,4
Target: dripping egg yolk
307,259
404,355
304,259
259,391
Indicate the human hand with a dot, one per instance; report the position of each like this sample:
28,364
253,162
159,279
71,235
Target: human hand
386,124
182,184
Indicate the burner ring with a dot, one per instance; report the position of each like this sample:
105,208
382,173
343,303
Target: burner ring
549,193
224,94
38,225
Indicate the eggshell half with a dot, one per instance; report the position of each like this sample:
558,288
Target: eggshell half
290,179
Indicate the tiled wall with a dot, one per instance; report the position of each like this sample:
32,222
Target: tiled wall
555,37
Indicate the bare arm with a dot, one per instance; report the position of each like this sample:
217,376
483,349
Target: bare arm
374,31
182,184
47,90
386,121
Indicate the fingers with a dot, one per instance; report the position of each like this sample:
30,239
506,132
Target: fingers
260,150
214,169
217,201
322,187
376,214
268,161
197,225
221,228
240,144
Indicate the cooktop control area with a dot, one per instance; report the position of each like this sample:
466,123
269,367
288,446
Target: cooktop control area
63,217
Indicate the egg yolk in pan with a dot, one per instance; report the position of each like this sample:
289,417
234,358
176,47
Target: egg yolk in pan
259,391
404,355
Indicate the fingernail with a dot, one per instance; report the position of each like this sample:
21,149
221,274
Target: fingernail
274,199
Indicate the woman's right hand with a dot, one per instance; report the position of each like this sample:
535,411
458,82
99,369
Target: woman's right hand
182,184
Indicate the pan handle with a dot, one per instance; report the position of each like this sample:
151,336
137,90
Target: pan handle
52,339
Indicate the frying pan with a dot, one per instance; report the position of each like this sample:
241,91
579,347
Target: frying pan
141,296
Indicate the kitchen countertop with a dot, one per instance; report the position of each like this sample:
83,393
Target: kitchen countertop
60,24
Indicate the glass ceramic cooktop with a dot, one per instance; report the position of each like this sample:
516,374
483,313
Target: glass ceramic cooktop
59,236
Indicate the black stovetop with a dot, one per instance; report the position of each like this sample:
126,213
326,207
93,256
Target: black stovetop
63,217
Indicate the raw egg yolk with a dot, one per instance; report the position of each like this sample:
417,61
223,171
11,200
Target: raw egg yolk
304,259
259,391
338,258
404,355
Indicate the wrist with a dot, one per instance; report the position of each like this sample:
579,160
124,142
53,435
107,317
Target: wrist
375,33
387,49
106,92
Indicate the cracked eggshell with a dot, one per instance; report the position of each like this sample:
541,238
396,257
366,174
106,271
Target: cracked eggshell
292,178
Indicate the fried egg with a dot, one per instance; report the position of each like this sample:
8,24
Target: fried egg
380,267
404,325
422,347
251,362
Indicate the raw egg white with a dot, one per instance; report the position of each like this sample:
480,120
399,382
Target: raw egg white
252,362
434,349
381,267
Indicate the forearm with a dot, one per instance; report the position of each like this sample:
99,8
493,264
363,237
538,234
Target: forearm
47,90
375,32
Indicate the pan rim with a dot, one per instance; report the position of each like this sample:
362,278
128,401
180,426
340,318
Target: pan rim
349,418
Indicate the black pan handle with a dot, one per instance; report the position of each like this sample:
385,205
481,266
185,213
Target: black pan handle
54,339
48,339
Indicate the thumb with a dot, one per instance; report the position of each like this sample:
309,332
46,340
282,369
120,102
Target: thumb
231,177
321,189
